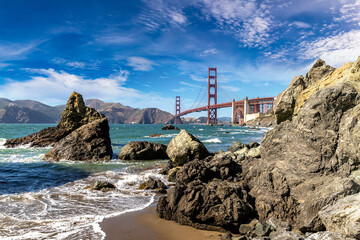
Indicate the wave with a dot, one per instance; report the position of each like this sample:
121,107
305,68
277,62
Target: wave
213,140
70,211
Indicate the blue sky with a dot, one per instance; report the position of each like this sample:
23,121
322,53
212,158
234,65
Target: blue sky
144,53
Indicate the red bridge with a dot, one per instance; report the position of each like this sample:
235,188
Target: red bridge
242,110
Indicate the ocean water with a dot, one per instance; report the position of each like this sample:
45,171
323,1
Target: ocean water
43,200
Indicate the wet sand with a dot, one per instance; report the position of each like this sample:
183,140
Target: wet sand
145,224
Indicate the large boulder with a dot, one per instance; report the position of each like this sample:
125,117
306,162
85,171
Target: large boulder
214,205
75,115
142,150
185,147
90,142
343,216
207,196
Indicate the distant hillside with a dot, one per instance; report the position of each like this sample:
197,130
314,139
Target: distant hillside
29,111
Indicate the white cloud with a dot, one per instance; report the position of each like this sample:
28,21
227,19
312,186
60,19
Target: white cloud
15,51
335,50
140,63
197,78
350,11
248,21
189,84
54,87
208,52
300,24
161,14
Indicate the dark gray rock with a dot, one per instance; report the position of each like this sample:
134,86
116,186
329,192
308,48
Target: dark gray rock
143,150
103,186
154,185
235,146
170,127
262,229
90,142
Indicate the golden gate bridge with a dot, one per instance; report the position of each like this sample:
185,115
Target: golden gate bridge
242,110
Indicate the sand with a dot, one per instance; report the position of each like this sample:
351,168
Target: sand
145,224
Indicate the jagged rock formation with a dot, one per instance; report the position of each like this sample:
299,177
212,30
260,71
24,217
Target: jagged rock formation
202,199
90,142
143,150
184,148
285,103
74,116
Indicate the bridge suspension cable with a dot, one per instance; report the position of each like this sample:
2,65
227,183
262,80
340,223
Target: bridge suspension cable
202,86
222,79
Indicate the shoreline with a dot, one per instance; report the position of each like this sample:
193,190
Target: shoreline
146,224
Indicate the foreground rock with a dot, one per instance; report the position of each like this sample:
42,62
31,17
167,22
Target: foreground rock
90,142
202,199
142,150
154,185
170,127
185,147
75,115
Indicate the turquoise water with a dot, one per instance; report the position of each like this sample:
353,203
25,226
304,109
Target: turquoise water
43,200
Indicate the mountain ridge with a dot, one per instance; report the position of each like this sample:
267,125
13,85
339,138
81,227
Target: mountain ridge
30,111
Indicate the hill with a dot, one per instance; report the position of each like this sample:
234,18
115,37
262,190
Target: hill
29,111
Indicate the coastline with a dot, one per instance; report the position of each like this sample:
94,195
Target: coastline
146,224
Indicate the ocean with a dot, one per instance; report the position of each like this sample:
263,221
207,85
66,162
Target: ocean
44,200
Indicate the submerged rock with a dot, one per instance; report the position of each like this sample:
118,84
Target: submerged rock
75,115
170,127
102,186
91,142
143,150
184,148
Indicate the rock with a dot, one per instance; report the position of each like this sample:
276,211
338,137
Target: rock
278,225
245,229
263,121
170,127
154,185
103,186
327,236
253,145
262,229
91,142
254,152
343,216
184,148
214,205
240,238
172,174
285,102
74,116
226,236
155,135
235,146
142,150
287,235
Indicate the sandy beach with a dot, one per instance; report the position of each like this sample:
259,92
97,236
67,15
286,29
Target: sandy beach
145,224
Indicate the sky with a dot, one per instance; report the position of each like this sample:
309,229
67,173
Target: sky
144,53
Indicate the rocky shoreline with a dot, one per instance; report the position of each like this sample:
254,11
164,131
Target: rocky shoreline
303,182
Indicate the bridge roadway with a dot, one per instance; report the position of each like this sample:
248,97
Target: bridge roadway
267,100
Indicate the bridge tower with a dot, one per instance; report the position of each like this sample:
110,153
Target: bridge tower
177,110
212,95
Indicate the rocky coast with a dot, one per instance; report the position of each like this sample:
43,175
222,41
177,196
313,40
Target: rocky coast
302,182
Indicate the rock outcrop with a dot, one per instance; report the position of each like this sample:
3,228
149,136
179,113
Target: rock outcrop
185,147
285,103
91,142
143,150
75,115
